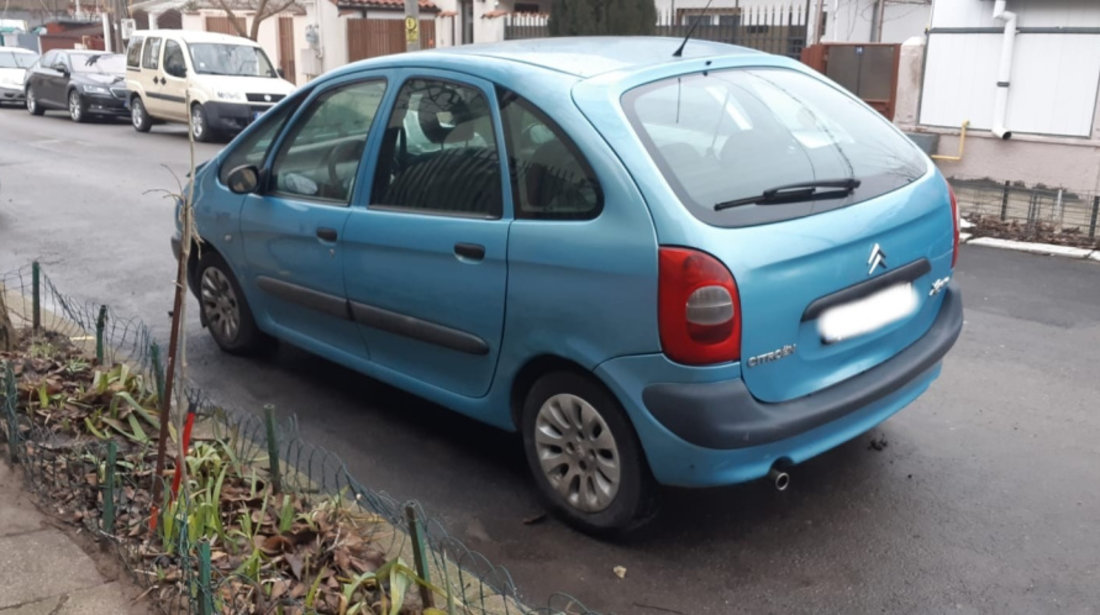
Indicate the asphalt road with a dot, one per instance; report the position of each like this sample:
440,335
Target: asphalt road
985,498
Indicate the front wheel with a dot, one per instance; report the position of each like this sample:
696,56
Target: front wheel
32,103
225,310
585,457
200,128
139,117
77,108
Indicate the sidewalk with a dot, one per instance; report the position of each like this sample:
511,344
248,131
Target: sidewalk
42,571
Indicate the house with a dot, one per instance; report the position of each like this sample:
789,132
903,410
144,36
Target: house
843,21
1024,75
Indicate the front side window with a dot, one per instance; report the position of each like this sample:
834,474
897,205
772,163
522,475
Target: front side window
320,156
252,147
439,153
133,52
230,59
151,57
550,177
730,135
174,64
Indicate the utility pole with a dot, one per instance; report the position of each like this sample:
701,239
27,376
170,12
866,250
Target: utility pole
880,14
818,32
412,25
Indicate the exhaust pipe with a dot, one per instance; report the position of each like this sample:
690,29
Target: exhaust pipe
779,478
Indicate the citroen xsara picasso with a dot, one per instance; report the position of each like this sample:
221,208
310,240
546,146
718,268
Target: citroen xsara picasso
690,270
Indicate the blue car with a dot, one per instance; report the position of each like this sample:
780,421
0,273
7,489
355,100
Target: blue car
689,269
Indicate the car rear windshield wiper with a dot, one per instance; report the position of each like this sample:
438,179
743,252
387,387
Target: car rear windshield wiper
803,191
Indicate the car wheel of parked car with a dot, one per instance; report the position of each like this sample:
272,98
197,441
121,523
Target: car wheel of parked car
199,128
32,103
225,310
138,117
76,107
584,454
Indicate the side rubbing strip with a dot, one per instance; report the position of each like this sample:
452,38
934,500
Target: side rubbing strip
306,297
905,273
418,329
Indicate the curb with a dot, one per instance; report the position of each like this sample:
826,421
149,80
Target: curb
1047,249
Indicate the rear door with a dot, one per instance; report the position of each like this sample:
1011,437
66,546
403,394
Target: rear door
155,100
173,80
426,266
756,156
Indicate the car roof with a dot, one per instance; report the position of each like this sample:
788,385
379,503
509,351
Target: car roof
581,57
197,36
18,50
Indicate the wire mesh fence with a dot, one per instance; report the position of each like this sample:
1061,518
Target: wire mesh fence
1051,215
262,520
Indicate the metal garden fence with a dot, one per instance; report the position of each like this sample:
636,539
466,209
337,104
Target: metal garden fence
102,482
1034,214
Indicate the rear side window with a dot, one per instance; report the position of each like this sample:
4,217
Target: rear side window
731,134
133,52
151,57
550,177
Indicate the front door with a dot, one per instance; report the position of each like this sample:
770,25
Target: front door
425,262
294,230
173,81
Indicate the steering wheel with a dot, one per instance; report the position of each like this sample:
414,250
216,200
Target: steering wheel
337,155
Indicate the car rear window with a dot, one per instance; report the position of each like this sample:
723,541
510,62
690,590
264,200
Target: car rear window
724,135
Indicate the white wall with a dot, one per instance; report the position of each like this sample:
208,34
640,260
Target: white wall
1055,77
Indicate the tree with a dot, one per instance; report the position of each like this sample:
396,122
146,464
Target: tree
261,10
595,17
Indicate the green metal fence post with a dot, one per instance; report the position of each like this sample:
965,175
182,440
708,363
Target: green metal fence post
36,297
109,489
1092,222
206,593
273,449
420,559
100,324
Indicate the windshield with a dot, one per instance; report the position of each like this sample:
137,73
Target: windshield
11,59
104,63
229,59
732,134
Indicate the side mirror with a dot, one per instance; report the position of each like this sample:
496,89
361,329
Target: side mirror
281,73
61,68
244,179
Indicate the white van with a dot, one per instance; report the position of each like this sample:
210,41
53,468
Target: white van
221,82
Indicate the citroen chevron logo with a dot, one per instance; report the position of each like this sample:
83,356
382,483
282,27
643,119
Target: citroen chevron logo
877,259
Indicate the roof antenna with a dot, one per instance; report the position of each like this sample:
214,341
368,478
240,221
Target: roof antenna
680,50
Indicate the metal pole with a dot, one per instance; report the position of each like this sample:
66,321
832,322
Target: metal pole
880,14
1004,201
412,25
36,297
817,21
1092,223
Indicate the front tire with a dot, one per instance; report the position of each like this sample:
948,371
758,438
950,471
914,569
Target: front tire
32,103
78,110
139,117
200,128
225,310
585,456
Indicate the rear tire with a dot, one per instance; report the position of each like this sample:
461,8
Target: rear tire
139,117
225,310
33,107
585,456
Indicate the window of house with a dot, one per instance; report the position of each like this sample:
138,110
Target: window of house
439,153
151,57
526,7
320,156
550,177
133,52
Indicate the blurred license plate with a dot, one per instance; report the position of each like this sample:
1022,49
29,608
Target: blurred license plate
867,314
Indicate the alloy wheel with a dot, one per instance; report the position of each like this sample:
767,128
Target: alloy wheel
577,452
219,304
76,110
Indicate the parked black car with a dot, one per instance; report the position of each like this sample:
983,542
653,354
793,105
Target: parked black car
87,83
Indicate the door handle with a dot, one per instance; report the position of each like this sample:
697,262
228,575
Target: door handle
471,251
326,234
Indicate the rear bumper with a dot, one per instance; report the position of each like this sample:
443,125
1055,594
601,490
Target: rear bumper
714,432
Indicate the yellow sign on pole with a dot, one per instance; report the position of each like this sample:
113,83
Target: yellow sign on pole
412,30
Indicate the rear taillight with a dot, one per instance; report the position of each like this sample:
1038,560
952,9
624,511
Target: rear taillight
955,219
699,311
